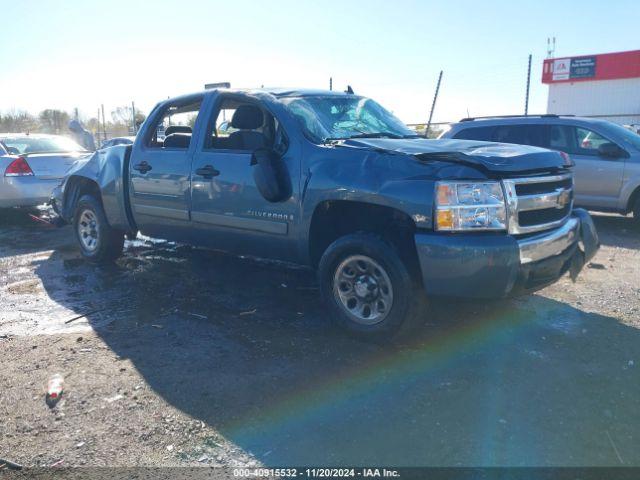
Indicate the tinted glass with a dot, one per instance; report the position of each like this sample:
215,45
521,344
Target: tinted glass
536,135
478,133
562,138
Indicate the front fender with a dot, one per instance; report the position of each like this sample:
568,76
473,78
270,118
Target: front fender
412,196
629,186
373,178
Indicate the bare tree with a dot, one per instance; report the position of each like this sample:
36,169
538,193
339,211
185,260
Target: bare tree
122,116
18,121
53,121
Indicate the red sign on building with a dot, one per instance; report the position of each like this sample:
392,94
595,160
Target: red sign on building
607,66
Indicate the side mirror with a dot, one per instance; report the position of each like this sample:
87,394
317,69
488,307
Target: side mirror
271,175
610,150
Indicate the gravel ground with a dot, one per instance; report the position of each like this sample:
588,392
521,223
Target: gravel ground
186,357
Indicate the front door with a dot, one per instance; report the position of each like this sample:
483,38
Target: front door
597,179
228,211
160,172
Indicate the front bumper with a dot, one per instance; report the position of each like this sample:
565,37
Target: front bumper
500,265
27,191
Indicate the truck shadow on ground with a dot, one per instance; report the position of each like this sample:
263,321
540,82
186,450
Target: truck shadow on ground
617,231
246,347
20,234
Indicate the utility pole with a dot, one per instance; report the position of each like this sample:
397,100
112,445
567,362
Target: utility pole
104,123
133,117
526,100
433,106
330,83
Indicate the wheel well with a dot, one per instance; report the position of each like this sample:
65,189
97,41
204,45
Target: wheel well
77,187
337,218
632,199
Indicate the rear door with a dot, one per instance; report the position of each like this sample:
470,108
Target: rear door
597,179
160,168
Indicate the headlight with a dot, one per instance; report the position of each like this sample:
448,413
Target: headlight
470,206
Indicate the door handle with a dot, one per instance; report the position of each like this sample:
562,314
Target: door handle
142,167
207,171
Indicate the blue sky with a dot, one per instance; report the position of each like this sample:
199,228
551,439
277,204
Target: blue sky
81,53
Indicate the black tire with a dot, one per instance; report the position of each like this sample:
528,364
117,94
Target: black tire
408,300
108,242
636,210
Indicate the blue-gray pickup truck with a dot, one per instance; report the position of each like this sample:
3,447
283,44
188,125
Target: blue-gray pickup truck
334,181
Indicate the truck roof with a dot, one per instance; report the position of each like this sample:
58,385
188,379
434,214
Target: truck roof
276,92
302,92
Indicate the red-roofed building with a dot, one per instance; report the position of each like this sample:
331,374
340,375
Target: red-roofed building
605,85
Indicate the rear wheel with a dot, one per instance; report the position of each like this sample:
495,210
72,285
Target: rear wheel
99,242
368,288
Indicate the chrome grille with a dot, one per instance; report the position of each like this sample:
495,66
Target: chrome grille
540,203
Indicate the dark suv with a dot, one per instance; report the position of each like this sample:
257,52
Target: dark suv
606,155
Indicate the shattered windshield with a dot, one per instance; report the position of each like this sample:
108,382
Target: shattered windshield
337,117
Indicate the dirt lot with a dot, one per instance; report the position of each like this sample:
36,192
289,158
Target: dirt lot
191,357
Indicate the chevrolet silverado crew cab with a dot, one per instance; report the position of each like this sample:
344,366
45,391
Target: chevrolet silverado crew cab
334,181
606,155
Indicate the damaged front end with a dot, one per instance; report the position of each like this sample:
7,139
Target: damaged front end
545,258
478,265
588,244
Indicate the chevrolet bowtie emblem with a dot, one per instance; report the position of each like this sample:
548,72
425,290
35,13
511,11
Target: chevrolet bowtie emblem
563,199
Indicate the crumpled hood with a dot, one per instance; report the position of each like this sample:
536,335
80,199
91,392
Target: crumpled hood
490,156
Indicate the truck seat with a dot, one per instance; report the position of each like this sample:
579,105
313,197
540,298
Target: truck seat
177,140
247,118
177,129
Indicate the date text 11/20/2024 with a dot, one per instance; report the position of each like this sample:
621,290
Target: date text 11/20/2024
316,472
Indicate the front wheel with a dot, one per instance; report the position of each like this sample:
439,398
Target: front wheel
368,288
636,210
99,243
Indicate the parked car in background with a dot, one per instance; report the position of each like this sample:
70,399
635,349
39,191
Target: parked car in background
334,181
32,165
225,128
606,155
117,141
634,127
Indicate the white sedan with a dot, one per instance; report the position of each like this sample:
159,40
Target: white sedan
32,165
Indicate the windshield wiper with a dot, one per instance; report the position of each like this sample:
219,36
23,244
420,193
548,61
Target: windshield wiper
370,135
376,135
363,135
